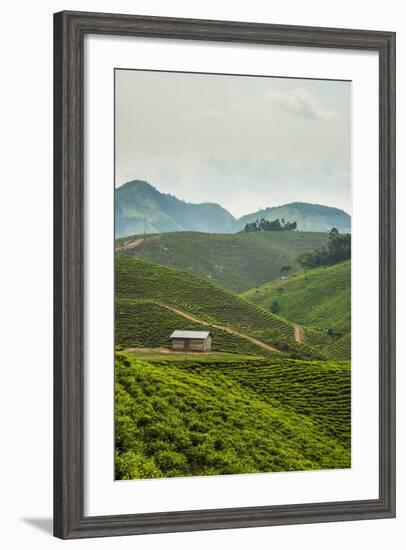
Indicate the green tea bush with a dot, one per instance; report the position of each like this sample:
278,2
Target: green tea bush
220,417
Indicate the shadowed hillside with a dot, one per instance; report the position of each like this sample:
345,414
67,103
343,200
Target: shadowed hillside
238,261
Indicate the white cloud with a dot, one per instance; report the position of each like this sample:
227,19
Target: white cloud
297,102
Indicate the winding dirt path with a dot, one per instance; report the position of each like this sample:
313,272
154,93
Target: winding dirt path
130,245
298,333
221,327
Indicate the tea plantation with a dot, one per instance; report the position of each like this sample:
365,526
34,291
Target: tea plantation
145,324
320,390
318,298
144,280
341,349
184,418
237,261
141,280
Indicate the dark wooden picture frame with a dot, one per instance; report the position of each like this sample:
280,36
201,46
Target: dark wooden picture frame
69,31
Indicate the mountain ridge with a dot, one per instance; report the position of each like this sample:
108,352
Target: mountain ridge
142,208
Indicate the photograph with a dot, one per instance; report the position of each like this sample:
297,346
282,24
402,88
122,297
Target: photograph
232,274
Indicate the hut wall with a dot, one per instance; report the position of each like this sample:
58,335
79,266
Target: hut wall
207,344
178,344
196,345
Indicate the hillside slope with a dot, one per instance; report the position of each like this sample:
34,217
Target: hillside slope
145,324
318,298
173,421
237,261
321,390
143,281
341,349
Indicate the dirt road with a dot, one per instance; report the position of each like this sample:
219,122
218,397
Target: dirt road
130,245
298,333
221,327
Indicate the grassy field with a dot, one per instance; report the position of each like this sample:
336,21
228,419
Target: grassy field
318,298
238,261
202,417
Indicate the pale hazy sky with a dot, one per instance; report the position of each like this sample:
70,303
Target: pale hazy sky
243,142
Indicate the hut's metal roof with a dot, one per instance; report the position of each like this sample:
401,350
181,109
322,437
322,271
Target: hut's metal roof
198,334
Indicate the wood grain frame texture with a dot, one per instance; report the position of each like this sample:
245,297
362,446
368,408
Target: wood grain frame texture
69,31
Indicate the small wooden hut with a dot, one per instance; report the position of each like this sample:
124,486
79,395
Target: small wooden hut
191,340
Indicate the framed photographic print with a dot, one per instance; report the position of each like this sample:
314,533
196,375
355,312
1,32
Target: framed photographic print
224,275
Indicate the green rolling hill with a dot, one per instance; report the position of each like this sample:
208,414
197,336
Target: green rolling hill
208,418
318,298
138,279
238,261
204,302
145,324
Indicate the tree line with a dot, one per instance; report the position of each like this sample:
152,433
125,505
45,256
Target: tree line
266,225
337,250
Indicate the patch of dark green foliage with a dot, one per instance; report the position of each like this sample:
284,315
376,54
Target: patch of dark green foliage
337,250
267,225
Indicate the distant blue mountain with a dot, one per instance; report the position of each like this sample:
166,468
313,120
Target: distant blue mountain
140,207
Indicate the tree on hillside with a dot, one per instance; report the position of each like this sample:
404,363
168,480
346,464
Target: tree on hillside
285,269
290,226
338,249
251,227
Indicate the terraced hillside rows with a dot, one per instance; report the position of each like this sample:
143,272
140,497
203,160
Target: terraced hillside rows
236,261
341,349
148,325
320,390
193,420
318,298
142,280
